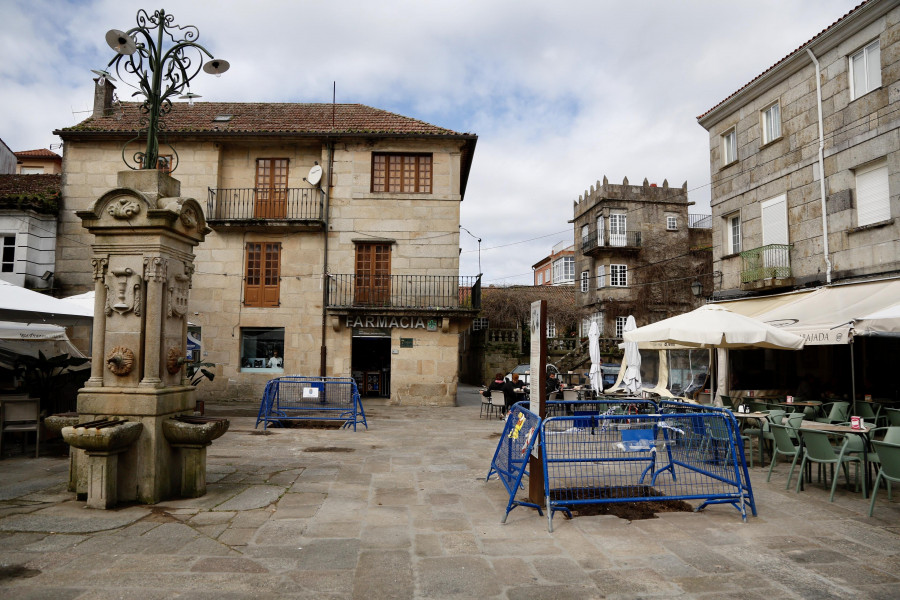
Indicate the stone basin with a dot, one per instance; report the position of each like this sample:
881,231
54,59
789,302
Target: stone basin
112,438
55,423
193,431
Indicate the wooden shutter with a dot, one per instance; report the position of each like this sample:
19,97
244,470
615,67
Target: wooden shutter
872,196
261,284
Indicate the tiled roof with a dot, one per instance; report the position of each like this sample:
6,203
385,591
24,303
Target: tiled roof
39,153
802,46
263,118
35,192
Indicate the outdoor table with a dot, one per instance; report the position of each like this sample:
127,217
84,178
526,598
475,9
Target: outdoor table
862,431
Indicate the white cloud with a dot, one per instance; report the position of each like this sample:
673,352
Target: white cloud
560,94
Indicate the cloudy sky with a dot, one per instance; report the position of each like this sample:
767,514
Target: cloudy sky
560,93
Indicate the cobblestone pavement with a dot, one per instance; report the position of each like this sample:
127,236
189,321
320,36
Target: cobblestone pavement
402,511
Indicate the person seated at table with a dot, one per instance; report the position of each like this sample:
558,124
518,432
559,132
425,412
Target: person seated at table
510,395
496,384
553,386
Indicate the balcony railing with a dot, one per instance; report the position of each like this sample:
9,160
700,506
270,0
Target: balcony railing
699,221
426,292
766,262
607,239
249,204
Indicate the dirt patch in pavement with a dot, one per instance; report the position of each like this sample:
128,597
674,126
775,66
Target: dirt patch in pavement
625,509
311,424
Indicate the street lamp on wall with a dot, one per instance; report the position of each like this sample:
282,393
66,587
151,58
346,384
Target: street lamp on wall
697,288
161,72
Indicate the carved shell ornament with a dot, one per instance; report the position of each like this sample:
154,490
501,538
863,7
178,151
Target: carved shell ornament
173,360
124,208
120,360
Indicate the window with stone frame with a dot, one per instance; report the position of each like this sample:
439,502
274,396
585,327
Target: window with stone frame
263,274
872,194
771,123
865,70
404,173
601,276
8,253
729,147
618,275
585,278
671,223
733,233
620,326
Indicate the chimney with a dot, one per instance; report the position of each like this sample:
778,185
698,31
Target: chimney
103,97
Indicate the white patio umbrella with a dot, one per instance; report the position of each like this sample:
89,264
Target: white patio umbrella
713,326
632,378
596,373
26,306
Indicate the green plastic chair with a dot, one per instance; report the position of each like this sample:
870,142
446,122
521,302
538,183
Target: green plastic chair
784,445
871,413
818,449
838,412
794,420
889,457
893,416
762,433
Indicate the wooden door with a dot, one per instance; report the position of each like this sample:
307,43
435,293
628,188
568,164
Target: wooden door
373,274
271,188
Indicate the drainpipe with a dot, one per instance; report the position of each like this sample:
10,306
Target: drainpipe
822,167
323,352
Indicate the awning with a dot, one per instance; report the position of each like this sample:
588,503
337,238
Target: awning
19,304
830,315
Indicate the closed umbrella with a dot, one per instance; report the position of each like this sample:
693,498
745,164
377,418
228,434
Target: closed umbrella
632,377
596,372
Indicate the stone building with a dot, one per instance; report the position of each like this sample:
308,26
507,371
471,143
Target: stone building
38,162
334,247
805,171
558,267
28,212
805,162
639,252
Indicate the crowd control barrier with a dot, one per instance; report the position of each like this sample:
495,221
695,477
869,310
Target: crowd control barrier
513,451
608,457
294,397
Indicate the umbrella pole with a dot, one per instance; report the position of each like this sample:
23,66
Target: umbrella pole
853,376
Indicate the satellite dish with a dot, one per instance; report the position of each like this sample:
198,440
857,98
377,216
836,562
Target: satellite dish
315,175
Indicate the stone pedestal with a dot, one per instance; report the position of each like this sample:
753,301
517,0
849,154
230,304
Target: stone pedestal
102,479
193,471
144,236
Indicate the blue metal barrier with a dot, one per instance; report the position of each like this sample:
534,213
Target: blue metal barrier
295,397
643,457
513,452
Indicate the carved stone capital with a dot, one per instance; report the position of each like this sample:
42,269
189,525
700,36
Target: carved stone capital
124,208
98,266
155,269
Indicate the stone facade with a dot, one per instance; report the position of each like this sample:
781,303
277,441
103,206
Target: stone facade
645,229
214,165
861,131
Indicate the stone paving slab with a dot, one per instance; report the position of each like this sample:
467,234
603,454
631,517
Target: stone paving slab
407,514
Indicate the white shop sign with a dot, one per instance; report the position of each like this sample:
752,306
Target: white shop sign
384,321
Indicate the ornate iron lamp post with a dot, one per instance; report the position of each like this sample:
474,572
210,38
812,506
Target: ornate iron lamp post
161,72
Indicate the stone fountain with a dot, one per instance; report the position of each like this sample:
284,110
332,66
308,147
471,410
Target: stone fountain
144,235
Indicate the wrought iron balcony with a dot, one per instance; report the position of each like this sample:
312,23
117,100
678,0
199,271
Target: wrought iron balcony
241,206
699,221
628,240
404,292
766,263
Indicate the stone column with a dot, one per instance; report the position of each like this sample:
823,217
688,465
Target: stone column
98,336
154,275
